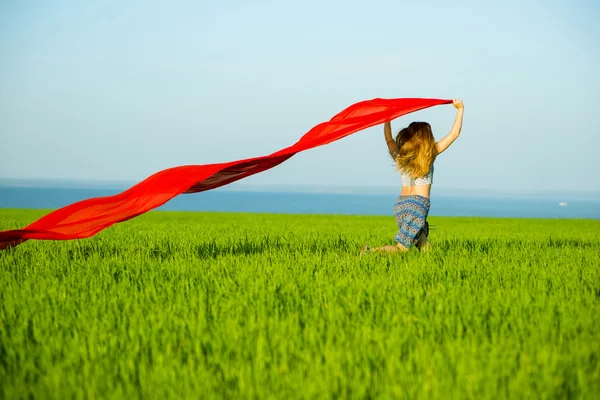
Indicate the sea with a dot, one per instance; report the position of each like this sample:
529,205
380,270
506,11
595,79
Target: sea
351,202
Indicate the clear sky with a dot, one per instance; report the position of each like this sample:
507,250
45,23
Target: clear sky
117,90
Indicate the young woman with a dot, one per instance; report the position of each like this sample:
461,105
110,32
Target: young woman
414,150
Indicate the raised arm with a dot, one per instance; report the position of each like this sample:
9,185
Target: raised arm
447,140
391,143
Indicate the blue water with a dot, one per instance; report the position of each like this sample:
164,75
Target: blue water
320,203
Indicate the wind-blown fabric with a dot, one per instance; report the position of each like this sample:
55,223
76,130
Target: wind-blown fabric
88,217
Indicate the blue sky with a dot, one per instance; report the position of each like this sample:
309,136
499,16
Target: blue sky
117,90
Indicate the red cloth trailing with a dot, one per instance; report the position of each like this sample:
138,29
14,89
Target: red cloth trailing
88,217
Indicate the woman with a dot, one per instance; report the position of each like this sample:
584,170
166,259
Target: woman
414,150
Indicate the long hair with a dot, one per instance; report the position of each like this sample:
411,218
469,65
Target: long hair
416,149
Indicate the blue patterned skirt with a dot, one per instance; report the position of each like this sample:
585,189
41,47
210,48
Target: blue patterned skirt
410,213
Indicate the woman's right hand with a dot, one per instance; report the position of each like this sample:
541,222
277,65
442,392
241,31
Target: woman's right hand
458,103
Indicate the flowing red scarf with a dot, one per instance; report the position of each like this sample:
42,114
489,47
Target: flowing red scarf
88,217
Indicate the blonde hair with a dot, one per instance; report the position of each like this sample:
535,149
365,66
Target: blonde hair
416,149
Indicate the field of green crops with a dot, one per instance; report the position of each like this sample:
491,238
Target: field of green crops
208,305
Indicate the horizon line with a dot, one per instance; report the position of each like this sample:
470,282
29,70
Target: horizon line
297,188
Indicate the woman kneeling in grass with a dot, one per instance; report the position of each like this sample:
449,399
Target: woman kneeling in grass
414,152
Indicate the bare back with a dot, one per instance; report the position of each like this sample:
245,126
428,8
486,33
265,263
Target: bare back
421,190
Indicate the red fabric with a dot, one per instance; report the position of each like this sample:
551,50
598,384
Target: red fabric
88,217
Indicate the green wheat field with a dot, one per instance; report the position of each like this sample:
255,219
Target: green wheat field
258,306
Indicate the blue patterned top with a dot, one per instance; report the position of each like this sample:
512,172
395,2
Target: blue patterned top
408,180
